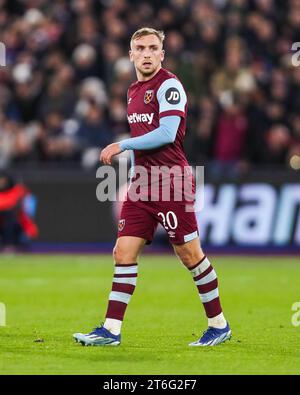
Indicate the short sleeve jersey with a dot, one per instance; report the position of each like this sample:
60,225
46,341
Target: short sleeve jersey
148,101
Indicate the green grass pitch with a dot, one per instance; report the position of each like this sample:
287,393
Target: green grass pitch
49,298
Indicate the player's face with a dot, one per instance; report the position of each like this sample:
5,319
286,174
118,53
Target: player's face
146,54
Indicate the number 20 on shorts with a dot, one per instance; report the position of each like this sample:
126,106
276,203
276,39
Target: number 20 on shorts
169,220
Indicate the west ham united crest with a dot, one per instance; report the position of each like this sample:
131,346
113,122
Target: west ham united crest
148,96
121,224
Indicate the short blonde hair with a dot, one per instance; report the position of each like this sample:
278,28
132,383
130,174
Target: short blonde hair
146,31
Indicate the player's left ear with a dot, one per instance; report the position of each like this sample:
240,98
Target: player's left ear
162,56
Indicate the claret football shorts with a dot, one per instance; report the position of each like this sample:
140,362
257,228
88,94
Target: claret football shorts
141,218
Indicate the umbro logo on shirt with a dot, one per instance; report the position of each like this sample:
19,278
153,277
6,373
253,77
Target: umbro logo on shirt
136,118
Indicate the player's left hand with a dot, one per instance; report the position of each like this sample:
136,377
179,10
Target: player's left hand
109,152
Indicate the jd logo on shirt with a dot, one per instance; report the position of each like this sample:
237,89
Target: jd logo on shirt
173,96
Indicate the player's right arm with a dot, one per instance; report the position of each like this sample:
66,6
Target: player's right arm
164,134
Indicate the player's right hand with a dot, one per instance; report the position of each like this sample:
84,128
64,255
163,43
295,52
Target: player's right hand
109,152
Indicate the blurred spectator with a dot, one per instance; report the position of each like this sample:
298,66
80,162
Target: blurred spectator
92,134
56,99
55,143
229,148
278,141
17,209
85,61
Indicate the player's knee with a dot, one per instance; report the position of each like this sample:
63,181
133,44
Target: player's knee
187,259
188,256
122,255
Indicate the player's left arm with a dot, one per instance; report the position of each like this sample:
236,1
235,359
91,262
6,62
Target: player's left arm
172,99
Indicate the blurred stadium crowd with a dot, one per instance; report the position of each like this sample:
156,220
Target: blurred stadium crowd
63,90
